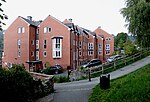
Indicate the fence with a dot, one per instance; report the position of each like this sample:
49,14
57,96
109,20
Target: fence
111,66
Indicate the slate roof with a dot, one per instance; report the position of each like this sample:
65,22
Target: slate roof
34,23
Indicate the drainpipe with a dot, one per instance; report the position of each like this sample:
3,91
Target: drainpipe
103,49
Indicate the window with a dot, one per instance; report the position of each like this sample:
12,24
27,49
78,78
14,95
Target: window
44,66
19,53
100,47
37,55
47,30
80,45
99,52
45,44
18,44
107,46
108,38
107,52
90,53
80,53
37,44
37,31
32,53
44,54
21,30
90,46
32,42
57,47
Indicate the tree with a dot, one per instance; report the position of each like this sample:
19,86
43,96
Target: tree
129,48
137,16
2,16
120,39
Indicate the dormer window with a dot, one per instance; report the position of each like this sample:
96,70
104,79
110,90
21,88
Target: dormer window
47,30
21,30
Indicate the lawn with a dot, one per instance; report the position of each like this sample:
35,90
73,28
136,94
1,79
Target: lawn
134,87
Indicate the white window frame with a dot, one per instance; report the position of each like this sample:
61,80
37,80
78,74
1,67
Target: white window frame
47,29
44,53
80,53
107,52
37,44
55,49
44,65
37,55
90,46
44,44
99,52
19,46
21,30
19,53
32,42
100,47
90,53
80,45
107,47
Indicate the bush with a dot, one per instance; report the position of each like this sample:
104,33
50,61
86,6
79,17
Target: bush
19,86
61,79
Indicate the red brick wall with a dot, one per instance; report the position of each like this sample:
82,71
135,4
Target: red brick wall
111,42
10,43
58,29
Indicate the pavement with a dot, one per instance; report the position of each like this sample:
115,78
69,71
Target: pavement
79,91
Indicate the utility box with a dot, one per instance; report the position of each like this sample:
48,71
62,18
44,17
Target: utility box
105,81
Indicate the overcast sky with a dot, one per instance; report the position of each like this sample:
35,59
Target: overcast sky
86,13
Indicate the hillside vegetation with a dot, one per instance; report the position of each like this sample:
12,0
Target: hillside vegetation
134,87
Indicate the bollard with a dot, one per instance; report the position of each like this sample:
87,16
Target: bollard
89,74
105,82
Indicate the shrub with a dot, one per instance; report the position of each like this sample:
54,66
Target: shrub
61,79
19,86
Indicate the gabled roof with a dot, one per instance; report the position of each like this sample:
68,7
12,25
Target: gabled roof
34,23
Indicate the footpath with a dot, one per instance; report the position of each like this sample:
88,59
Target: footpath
79,91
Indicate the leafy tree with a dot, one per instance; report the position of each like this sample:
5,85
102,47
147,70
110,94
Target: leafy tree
137,16
129,48
2,15
120,39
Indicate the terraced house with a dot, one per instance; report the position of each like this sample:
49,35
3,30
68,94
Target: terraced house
39,44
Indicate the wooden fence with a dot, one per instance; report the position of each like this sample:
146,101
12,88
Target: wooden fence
111,66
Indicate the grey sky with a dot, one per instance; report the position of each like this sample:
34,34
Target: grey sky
86,13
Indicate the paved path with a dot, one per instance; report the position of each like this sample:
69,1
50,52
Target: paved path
79,91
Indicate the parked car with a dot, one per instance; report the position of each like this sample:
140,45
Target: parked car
57,69
92,63
113,58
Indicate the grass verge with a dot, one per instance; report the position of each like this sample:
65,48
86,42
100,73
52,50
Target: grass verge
134,87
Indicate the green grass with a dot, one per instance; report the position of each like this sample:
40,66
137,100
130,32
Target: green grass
134,87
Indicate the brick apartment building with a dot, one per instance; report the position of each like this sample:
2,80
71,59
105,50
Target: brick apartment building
38,44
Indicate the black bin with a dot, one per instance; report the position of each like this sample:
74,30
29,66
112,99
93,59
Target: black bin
105,82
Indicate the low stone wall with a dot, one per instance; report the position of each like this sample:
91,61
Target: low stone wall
47,80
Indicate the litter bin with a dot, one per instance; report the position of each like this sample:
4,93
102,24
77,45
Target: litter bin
105,81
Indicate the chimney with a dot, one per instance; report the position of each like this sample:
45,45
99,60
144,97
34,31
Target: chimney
29,18
99,27
70,20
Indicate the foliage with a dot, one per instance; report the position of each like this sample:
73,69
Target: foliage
2,15
120,39
19,86
136,14
61,79
125,89
129,48
47,64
